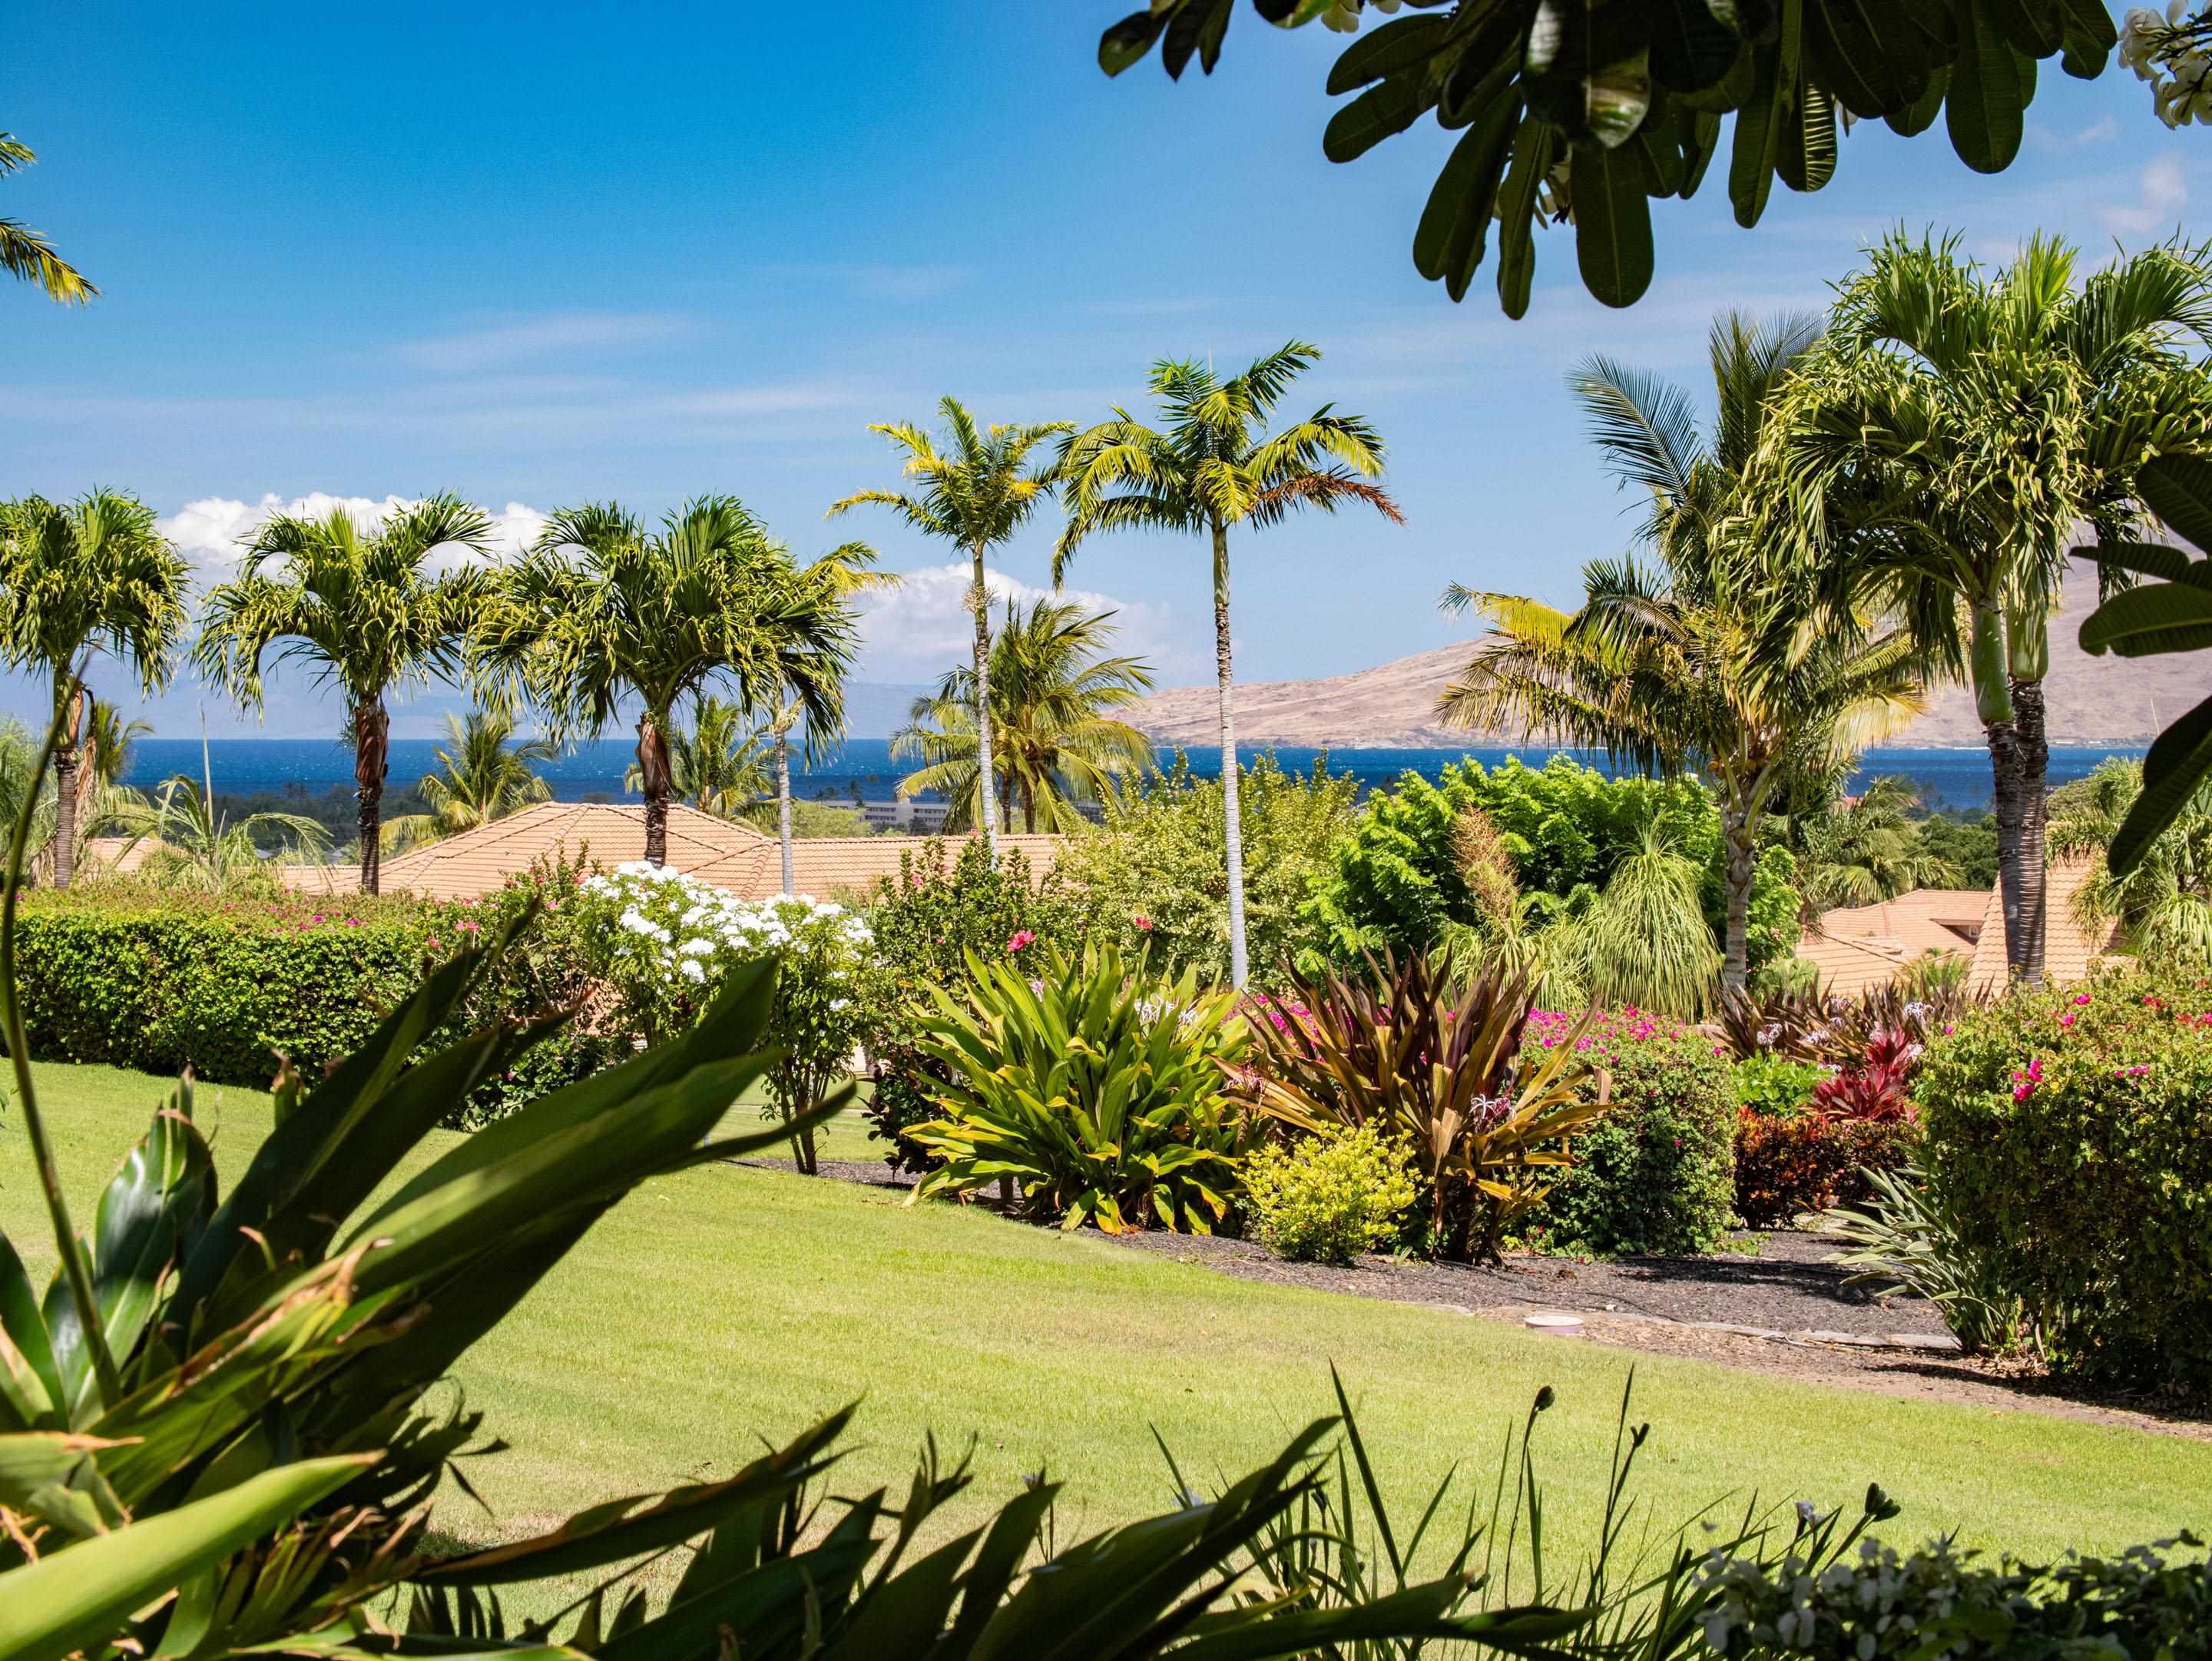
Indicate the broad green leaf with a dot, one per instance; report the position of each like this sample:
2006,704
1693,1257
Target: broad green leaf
1985,114
1757,137
2036,28
1805,152
1378,113
1918,116
2176,762
1128,40
162,1195
2149,559
2157,619
1613,223
2090,38
1403,43
1691,48
1517,210
84,1595
30,1382
55,1477
2178,487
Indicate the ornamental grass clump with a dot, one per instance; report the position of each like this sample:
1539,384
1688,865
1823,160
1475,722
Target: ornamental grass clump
1404,1049
1329,1197
1100,1091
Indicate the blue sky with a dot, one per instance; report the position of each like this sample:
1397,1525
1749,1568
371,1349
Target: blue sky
552,253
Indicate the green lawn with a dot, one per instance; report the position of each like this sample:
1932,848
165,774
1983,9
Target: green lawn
725,1303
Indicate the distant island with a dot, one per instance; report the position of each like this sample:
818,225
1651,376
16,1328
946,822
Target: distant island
2092,701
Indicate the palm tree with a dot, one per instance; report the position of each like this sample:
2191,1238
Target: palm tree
1053,690
362,605
25,253
720,767
1215,467
974,493
1862,849
1936,454
601,611
2163,902
483,775
96,575
1673,666
197,847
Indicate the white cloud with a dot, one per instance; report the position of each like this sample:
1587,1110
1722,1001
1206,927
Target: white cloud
211,532
565,332
2102,130
918,630
2161,193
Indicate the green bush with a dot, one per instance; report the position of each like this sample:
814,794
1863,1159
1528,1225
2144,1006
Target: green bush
1326,1198
1656,1175
1774,1086
2066,1129
1102,1092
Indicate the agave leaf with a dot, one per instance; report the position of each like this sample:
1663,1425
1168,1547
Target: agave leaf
30,1382
85,1594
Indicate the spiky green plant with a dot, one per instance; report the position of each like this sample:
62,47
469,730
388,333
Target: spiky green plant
1211,468
1645,941
25,253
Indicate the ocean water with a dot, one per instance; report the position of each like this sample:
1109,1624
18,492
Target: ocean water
1944,778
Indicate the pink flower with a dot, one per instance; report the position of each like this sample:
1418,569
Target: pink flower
1023,939
2081,997
1143,923
2067,1020
471,925
434,942
319,916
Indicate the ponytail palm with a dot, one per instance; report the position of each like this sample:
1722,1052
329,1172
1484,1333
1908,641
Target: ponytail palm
974,492
1672,666
601,612
1053,693
1214,466
364,606
1937,454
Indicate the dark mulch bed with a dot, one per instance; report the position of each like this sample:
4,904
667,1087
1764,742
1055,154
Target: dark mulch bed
1790,1286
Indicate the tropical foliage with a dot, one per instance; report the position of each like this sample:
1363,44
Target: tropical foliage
1214,466
1581,118
2163,904
197,847
719,765
1860,850
1937,451
365,609
974,492
26,253
94,576
1059,744
1402,1049
1328,1196
1674,664
483,774
1100,1090
600,610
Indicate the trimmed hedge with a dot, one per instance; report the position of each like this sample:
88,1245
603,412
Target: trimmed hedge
1657,1175
2068,1130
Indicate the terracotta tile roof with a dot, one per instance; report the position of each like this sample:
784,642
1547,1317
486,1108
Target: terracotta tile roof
1859,947
719,851
2068,950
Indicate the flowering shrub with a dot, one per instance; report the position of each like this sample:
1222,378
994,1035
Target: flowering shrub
1328,1197
1656,1174
1940,1604
2173,53
2066,1128
663,941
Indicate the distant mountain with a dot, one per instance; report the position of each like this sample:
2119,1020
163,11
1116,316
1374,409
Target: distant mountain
2091,700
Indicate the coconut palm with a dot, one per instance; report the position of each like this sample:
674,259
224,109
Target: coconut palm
1053,690
1862,849
720,766
96,575
601,612
1213,467
483,775
1671,666
1935,455
974,493
2163,902
25,253
363,606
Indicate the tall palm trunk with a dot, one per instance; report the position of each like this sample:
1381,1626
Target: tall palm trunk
372,744
979,601
2028,714
1231,817
68,758
783,808
654,779
1742,863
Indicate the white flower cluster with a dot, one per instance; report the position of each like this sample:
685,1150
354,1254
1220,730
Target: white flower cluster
1343,16
2173,53
672,933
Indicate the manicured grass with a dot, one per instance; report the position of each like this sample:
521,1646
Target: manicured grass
727,1303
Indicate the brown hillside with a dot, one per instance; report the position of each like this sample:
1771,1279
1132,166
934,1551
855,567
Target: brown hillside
2092,701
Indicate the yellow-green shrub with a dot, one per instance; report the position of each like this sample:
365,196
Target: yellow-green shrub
1328,1197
